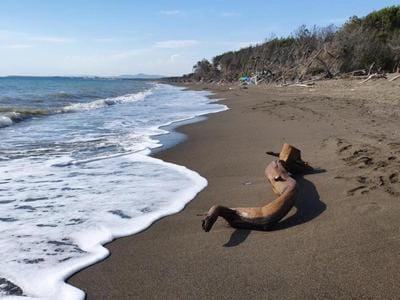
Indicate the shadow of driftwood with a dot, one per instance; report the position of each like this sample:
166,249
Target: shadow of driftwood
237,237
308,206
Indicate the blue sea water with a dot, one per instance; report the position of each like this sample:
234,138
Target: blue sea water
75,172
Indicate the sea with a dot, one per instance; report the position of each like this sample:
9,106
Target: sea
77,171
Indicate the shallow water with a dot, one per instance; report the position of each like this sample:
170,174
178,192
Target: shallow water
77,177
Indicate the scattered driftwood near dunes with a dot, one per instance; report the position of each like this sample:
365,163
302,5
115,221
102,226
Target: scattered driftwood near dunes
394,78
373,76
279,173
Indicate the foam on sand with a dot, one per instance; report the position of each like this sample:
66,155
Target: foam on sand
65,190
60,223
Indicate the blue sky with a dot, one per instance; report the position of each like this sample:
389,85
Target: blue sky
75,37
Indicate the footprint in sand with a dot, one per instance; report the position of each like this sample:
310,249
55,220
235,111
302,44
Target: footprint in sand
371,167
365,161
392,192
361,188
394,177
362,157
394,146
381,164
344,148
362,179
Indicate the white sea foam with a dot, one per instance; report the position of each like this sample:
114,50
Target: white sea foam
11,117
58,216
80,187
106,102
5,121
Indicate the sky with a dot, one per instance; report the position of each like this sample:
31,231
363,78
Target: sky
96,37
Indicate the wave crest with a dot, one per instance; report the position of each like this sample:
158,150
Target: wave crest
5,121
11,115
105,102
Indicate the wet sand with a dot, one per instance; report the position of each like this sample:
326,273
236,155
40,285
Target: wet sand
341,241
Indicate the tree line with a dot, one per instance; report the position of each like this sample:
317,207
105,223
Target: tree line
370,43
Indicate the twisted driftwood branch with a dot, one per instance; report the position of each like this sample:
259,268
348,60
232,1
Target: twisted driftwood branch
373,76
394,78
262,218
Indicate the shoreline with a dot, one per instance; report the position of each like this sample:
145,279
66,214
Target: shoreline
179,193
327,248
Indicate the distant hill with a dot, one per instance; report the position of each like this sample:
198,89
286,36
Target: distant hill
140,76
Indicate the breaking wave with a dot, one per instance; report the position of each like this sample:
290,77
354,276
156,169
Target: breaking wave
12,115
105,102
71,183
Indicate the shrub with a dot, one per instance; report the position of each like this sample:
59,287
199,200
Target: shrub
359,43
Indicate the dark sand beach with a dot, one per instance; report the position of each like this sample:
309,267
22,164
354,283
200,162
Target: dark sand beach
342,241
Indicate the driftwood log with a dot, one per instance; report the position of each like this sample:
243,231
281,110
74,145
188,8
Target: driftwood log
279,173
299,84
373,76
394,78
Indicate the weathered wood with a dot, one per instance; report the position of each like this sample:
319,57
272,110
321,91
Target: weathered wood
310,84
394,78
368,79
370,68
373,76
300,84
262,218
327,69
329,53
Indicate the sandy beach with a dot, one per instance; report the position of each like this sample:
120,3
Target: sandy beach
342,241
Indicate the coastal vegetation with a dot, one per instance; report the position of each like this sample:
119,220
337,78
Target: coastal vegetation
360,46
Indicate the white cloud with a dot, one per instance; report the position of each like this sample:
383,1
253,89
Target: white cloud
112,57
174,57
128,53
172,44
337,21
171,13
240,45
18,46
227,14
151,60
104,40
50,39
236,45
17,37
